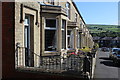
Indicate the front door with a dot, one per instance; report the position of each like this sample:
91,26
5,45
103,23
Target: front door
27,40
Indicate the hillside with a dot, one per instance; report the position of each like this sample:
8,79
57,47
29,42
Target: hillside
104,30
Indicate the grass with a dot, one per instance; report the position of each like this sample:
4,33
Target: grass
103,28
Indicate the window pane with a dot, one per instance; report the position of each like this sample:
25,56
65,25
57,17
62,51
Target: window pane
70,39
63,34
52,2
63,24
68,32
63,39
26,20
26,36
50,40
79,41
51,23
67,5
75,17
68,9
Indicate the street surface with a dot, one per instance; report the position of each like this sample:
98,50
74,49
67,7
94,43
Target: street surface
105,68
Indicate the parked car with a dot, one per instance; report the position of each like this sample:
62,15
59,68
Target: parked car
116,58
112,52
105,49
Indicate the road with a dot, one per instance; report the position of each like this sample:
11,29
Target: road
105,68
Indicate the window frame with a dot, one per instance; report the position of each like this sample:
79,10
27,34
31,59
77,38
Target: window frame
68,8
76,15
27,40
49,1
71,39
78,39
28,27
63,29
49,28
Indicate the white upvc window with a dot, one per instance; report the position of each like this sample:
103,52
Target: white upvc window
50,34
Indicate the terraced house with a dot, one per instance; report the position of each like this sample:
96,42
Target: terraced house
38,37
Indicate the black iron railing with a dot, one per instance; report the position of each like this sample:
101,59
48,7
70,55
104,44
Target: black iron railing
72,64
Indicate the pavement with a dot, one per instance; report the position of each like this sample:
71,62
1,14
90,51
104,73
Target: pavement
105,68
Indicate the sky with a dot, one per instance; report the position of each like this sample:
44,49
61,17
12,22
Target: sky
99,12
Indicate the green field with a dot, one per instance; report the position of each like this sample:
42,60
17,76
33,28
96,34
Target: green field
104,30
